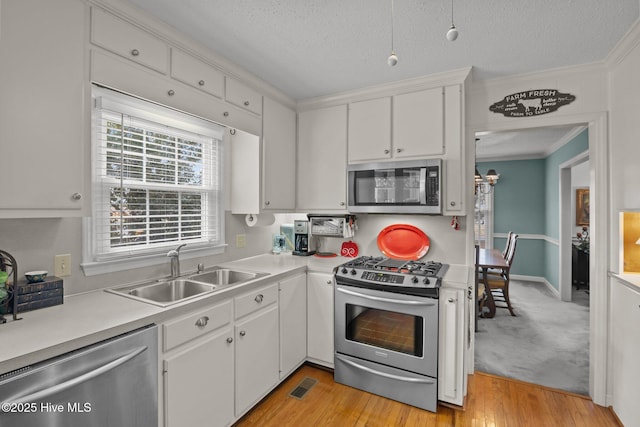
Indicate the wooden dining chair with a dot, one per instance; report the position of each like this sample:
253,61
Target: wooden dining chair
498,283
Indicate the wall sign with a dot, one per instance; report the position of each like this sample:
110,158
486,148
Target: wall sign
532,103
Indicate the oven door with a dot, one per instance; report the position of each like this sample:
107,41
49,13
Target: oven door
388,328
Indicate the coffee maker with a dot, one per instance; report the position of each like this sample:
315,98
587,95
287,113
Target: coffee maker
302,238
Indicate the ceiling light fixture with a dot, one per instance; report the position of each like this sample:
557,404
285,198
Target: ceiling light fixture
393,58
452,34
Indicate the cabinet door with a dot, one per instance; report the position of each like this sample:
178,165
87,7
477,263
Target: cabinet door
245,173
243,96
128,41
451,346
293,323
454,184
196,73
322,154
320,318
278,156
370,130
42,108
257,363
199,383
418,124
625,348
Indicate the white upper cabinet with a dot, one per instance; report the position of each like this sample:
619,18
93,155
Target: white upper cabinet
370,130
454,165
128,41
278,156
409,125
418,124
43,112
243,96
245,173
322,159
196,73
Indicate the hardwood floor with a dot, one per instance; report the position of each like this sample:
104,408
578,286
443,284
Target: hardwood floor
491,401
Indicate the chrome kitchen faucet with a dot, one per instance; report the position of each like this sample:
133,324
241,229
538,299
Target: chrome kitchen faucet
174,254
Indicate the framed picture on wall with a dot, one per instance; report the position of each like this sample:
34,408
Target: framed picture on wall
582,206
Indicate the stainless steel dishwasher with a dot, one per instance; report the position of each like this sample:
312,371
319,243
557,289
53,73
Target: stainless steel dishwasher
112,383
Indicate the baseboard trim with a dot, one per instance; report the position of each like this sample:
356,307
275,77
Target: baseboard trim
539,279
613,413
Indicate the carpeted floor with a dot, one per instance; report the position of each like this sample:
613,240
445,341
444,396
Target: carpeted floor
547,343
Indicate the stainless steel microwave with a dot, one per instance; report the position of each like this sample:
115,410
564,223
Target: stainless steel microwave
411,186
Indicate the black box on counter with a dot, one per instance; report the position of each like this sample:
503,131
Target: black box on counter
31,296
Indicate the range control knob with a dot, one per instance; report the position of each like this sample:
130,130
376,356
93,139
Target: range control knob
344,270
414,279
426,281
354,272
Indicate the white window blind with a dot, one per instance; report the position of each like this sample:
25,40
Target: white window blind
156,179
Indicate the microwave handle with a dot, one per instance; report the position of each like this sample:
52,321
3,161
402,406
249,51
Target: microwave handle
423,186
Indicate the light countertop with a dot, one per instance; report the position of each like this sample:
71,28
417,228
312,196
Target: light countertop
90,317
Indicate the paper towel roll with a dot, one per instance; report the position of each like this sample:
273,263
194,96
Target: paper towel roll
262,220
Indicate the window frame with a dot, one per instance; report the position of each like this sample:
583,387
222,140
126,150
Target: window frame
98,256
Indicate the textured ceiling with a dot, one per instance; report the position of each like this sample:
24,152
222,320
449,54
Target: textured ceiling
309,48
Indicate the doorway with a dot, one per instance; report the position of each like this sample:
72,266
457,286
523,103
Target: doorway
533,196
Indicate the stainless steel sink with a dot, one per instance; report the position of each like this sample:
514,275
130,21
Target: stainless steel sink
164,293
167,292
226,276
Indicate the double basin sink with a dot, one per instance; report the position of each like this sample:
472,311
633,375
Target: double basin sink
172,291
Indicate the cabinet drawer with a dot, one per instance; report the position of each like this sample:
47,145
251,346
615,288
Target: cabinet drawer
243,96
196,73
181,330
124,39
255,300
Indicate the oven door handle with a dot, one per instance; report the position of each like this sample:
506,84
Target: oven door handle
384,374
391,300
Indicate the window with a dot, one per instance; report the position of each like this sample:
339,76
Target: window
483,216
156,179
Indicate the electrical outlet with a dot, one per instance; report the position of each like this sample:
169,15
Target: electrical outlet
241,240
62,265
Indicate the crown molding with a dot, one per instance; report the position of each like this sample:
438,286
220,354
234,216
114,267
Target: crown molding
624,47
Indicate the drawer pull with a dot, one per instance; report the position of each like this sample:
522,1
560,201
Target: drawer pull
135,52
246,103
76,196
201,82
386,151
202,322
171,92
242,333
229,340
259,298
226,114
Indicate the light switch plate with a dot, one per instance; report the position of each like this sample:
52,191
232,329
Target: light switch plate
62,265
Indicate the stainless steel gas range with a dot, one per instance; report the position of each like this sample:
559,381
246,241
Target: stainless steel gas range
386,328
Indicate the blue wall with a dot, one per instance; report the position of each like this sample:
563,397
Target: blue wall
526,201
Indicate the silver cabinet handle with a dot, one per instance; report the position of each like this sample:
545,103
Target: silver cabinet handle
76,196
171,92
226,114
246,103
451,300
399,150
135,52
341,203
202,322
242,333
329,282
259,298
267,203
229,340
387,151
452,203
42,394
201,82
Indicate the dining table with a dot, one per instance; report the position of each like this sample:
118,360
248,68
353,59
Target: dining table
489,258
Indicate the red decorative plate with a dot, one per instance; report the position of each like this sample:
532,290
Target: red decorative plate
403,241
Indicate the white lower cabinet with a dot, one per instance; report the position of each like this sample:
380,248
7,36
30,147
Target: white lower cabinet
293,323
198,383
320,318
451,376
624,351
257,365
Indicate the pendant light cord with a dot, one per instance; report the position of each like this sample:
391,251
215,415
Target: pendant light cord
452,13
392,20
